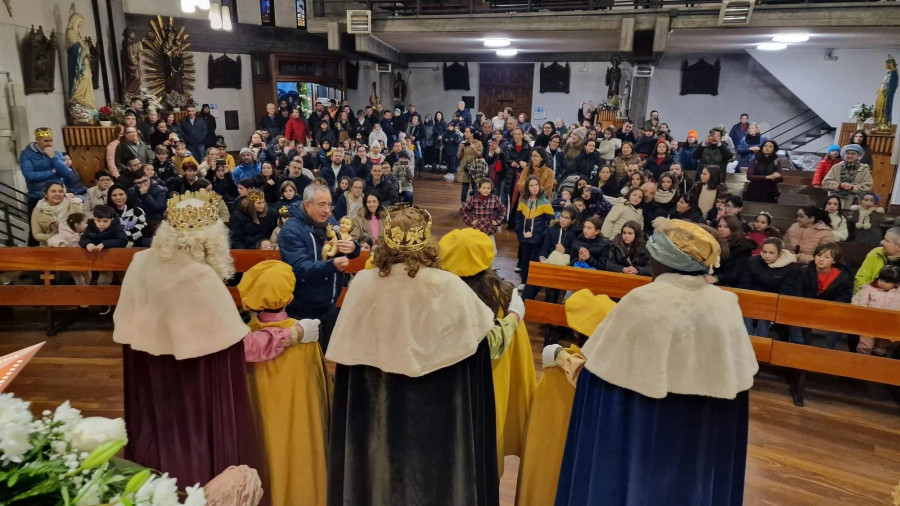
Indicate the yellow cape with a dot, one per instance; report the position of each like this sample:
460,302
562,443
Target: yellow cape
514,385
545,439
292,396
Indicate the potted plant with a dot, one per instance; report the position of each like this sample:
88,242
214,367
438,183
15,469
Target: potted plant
106,116
176,100
861,112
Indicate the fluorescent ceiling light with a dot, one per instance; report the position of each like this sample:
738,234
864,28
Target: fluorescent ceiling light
496,42
791,37
771,46
507,52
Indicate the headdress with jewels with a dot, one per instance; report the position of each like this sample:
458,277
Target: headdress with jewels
256,196
414,238
193,210
43,133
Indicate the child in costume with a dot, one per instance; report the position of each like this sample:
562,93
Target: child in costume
291,392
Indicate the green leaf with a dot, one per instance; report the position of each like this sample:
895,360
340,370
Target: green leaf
100,455
136,482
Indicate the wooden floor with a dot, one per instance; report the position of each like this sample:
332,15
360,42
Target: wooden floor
843,448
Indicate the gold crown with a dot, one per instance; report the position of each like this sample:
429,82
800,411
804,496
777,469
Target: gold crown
43,133
284,211
193,210
256,196
413,239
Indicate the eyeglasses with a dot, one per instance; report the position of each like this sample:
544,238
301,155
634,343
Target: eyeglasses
322,206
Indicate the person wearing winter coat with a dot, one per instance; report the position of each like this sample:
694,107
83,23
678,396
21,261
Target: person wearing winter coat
377,135
832,158
538,168
132,218
627,253
651,208
533,216
811,230
774,271
151,196
589,246
761,229
713,152
850,178
684,210
403,172
368,221
483,210
881,294
383,184
707,189
623,212
740,249
587,163
595,203
660,160
626,157
296,128
103,231
253,223
248,168
749,145
824,278
41,165
470,150
609,145
867,219
193,133
836,219
548,129
764,175
558,162
52,210
685,155
575,144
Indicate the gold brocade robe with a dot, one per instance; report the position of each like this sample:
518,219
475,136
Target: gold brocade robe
292,396
514,385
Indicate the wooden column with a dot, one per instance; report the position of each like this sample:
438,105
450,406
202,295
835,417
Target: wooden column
882,145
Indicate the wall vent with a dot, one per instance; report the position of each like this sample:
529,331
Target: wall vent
359,22
382,67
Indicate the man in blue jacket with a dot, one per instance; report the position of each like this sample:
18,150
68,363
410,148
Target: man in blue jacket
248,169
193,132
319,280
41,165
333,172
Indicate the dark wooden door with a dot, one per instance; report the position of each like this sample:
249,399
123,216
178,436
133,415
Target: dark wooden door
505,85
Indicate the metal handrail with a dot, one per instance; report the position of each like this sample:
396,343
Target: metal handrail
771,129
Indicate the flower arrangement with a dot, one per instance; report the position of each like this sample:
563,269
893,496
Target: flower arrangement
105,113
65,459
152,101
175,99
861,112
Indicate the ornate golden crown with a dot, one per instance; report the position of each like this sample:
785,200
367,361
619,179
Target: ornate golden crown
284,211
256,196
193,210
43,133
413,239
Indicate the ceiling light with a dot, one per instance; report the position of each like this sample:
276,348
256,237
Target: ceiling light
496,42
791,37
771,46
507,52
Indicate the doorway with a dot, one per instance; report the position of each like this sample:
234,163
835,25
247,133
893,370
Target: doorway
505,85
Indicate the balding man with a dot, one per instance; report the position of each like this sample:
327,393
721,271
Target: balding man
464,115
272,122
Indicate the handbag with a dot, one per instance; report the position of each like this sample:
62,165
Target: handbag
557,258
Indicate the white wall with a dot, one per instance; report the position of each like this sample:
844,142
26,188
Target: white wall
830,88
587,85
226,99
740,91
359,98
426,89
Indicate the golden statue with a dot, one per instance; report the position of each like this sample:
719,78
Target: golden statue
884,97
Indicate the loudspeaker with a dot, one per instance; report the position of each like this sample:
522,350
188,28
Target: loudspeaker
642,47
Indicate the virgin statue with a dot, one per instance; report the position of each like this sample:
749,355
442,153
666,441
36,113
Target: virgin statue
78,57
884,97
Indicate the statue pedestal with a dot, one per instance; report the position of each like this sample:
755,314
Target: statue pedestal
882,145
87,147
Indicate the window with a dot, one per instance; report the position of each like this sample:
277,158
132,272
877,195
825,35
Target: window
267,12
301,14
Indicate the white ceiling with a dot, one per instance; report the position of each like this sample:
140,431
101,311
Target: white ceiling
680,41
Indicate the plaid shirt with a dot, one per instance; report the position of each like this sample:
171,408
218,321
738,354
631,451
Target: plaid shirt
485,210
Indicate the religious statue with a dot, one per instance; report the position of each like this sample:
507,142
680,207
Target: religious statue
373,98
95,62
613,76
131,64
78,58
39,61
884,97
400,89
168,64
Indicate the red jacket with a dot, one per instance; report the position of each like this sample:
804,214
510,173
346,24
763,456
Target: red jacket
296,129
825,164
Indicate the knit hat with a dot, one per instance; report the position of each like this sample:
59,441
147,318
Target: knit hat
694,133
581,132
683,246
466,252
833,147
267,285
585,311
246,150
852,147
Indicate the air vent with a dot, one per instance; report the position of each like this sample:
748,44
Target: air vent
735,12
643,71
359,22
382,67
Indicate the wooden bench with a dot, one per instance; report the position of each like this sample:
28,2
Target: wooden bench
785,310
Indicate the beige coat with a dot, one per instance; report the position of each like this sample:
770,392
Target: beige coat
861,183
362,227
95,197
618,216
803,241
44,224
466,156
620,163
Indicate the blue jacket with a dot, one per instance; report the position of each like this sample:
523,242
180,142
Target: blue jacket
300,241
742,147
465,116
685,157
193,134
38,169
245,171
153,202
327,173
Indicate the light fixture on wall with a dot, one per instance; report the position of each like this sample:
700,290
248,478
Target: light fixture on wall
791,37
507,52
771,46
496,42
219,16
226,18
188,6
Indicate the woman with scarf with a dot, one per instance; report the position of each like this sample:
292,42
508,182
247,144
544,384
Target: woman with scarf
51,212
749,146
764,174
132,217
575,144
850,178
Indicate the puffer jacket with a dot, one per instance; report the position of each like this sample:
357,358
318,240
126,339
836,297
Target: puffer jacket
39,169
586,165
620,163
803,241
733,266
301,240
558,235
776,277
617,259
112,237
247,235
534,218
608,147
596,247
621,213
685,157
825,165
807,284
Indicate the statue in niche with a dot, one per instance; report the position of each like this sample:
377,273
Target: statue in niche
40,52
130,59
613,77
78,59
168,65
884,97
373,98
401,87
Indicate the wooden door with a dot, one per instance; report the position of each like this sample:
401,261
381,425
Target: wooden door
505,85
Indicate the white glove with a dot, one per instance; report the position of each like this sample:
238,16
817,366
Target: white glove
548,356
310,330
516,305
